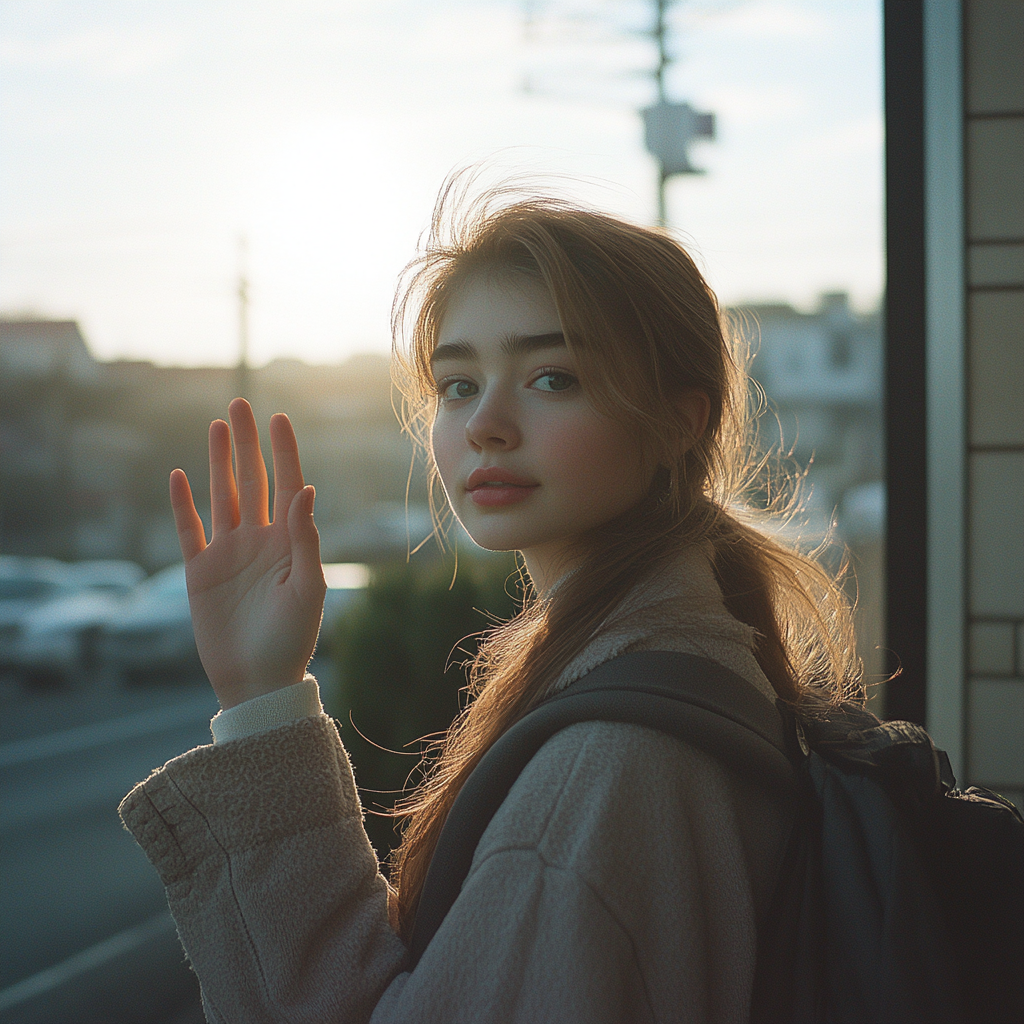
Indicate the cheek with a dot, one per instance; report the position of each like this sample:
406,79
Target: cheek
600,461
445,447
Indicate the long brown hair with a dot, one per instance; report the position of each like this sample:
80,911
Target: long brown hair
644,327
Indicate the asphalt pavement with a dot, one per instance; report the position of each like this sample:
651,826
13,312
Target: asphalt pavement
85,935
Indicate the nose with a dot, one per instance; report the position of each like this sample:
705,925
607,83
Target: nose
494,425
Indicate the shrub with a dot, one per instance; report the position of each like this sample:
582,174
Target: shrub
399,651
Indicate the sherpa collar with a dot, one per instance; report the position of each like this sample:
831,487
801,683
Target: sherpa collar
680,608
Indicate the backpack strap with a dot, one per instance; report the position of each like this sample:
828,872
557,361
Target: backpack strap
697,700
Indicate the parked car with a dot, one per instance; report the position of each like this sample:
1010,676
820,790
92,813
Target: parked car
153,633
26,584
57,640
116,575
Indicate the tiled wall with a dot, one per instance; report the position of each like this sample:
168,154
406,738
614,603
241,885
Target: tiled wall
994,152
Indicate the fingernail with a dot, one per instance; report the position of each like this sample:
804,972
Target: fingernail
311,499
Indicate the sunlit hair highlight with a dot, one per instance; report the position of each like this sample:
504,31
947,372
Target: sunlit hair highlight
644,329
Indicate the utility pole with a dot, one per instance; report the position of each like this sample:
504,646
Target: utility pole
242,368
670,128
660,9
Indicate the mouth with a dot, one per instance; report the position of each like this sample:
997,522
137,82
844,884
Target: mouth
494,487
492,477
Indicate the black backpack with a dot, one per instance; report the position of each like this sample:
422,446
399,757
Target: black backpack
900,898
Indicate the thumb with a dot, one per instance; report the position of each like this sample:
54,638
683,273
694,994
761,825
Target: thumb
305,541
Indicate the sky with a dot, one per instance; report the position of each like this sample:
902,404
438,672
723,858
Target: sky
143,141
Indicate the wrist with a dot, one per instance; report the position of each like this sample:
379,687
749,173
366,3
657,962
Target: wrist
232,692
269,711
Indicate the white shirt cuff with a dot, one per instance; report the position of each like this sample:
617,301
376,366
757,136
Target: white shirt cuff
268,711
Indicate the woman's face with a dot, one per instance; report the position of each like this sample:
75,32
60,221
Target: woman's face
526,462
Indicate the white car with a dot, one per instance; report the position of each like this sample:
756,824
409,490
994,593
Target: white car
25,585
57,639
153,633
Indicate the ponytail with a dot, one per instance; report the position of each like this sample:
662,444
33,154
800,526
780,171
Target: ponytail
806,645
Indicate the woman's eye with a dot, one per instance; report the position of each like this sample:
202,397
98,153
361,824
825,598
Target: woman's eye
554,381
456,389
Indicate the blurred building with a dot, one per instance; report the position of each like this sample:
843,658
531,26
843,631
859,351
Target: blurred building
56,460
822,374
86,447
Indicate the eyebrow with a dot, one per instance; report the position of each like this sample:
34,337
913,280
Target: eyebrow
513,345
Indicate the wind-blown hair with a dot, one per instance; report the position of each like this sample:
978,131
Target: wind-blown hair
644,329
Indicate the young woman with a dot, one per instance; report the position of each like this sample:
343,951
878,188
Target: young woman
571,379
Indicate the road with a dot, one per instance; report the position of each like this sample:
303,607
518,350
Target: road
84,931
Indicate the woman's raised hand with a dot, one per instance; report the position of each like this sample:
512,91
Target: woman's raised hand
257,589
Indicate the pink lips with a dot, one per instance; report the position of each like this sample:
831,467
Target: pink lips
494,487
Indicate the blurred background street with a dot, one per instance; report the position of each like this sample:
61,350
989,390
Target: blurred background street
86,934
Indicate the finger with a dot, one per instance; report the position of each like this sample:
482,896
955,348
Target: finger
191,535
307,572
250,469
223,493
287,468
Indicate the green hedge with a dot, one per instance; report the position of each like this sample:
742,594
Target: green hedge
391,649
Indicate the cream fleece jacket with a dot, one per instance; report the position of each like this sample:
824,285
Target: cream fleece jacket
620,881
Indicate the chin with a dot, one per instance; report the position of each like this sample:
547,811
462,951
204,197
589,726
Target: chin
490,537
488,543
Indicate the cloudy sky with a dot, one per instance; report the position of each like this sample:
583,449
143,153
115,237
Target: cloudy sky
142,139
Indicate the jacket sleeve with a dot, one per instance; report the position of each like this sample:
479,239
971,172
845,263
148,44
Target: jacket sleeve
270,877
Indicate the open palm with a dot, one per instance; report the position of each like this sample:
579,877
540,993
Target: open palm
257,588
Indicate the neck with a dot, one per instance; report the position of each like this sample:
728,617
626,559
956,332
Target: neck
548,568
